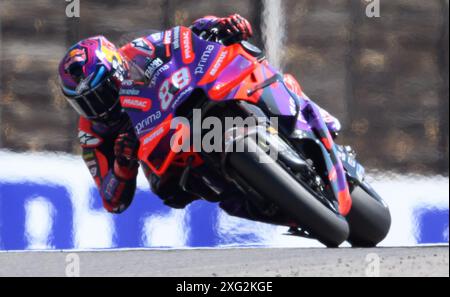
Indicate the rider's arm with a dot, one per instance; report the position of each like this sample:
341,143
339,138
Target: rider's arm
231,29
116,182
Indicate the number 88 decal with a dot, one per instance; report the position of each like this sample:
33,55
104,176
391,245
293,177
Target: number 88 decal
178,81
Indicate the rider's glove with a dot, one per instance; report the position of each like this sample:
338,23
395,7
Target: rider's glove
125,151
234,29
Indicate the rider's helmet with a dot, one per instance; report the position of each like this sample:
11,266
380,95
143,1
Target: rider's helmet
91,73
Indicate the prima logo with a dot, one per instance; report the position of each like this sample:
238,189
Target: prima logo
373,8
73,9
204,59
157,74
147,122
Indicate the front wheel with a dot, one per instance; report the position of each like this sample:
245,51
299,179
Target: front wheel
369,218
274,183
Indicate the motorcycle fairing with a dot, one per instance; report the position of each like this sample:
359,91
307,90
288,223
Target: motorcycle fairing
224,74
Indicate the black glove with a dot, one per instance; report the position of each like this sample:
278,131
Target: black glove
125,149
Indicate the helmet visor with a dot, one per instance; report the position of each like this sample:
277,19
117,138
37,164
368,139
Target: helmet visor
98,102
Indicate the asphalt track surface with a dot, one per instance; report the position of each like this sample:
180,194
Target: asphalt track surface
244,262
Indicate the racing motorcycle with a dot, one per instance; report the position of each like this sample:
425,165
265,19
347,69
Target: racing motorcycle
312,180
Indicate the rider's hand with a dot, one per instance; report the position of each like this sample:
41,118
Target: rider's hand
125,150
235,28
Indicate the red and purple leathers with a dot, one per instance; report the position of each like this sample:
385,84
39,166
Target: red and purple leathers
115,180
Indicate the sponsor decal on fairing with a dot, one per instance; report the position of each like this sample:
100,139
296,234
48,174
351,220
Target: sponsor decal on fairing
200,69
145,123
143,104
187,53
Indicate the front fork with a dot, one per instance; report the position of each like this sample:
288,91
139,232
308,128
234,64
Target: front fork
335,169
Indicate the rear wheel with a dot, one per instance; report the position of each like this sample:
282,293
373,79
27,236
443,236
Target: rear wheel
274,183
369,219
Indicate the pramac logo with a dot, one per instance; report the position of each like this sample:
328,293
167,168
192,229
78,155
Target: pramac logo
140,103
187,49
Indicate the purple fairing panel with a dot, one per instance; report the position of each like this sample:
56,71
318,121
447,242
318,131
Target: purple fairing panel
334,164
331,122
173,81
238,64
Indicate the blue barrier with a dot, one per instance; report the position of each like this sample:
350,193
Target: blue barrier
416,220
12,214
127,226
433,225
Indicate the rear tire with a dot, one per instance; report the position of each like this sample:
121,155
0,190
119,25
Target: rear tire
275,184
369,219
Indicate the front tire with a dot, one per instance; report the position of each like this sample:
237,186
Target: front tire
369,219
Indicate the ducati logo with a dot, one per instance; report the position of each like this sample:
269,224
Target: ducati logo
144,46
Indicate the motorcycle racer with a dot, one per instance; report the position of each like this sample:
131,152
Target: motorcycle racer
91,74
